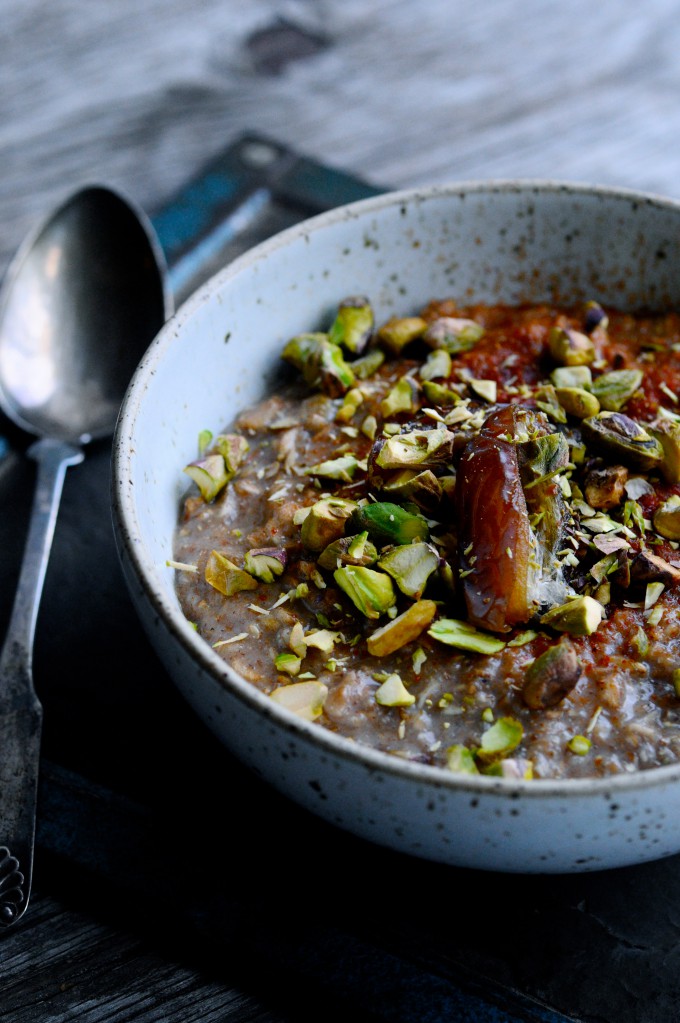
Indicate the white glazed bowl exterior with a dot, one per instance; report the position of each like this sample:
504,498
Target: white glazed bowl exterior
509,242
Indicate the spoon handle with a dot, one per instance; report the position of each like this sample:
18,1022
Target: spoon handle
20,709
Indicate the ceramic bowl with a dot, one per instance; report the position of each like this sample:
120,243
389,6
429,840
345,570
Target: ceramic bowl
509,242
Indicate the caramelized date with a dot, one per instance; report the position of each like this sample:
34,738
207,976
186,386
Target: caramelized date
495,539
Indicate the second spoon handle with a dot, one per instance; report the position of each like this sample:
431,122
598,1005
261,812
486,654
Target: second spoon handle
21,718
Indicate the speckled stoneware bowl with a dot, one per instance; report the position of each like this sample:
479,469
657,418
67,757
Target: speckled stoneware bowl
510,242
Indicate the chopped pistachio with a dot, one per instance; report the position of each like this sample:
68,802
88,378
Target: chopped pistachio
288,663
397,332
577,402
503,737
265,563
233,447
579,744
572,376
351,402
369,427
371,592
605,486
209,474
401,398
640,641
322,639
306,699
570,347
423,448
348,550
226,577
613,389
342,468
438,394
410,565
594,316
622,438
454,334
546,400
522,638
353,325
464,636
487,715
460,760
666,518
485,389
423,488
667,433
325,522
296,640
204,438
368,364
579,616
437,364
652,593
551,676
320,362
419,658
393,693
388,523
511,767
402,630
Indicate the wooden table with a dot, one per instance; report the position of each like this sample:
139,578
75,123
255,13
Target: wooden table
141,910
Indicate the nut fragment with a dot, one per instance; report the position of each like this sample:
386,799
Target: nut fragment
649,568
623,438
667,518
604,487
570,347
579,616
402,629
552,676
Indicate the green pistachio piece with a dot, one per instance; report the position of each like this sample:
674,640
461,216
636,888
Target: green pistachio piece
353,325
351,402
410,565
546,401
572,376
577,402
460,760
306,699
438,394
615,388
579,617
622,439
326,522
487,390
551,676
209,474
233,448
503,737
399,332
371,592
265,563
348,550
388,523
570,347
368,364
423,488
437,364
667,433
666,518
288,663
579,744
342,468
401,630
463,636
204,439
393,693
511,767
454,334
403,397
223,575
320,362
427,449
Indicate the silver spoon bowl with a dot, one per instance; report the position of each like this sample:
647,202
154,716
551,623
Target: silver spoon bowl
82,300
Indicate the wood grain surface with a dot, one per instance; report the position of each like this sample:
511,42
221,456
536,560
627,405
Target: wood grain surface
139,94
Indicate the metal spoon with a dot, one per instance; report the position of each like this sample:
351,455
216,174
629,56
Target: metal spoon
82,300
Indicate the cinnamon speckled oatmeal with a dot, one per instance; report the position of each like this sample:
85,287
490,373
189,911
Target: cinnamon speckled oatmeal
454,537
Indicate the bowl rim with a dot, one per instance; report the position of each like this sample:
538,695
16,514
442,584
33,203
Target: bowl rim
220,673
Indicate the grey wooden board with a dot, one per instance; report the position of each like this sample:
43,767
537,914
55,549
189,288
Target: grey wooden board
139,94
